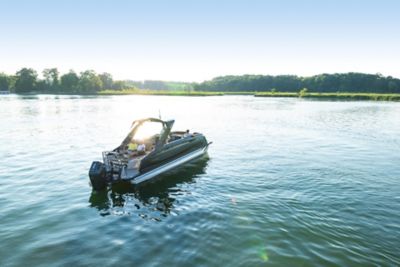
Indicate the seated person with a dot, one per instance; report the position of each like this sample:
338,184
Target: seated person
132,146
187,134
141,149
136,149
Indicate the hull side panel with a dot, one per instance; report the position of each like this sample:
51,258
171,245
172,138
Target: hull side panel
168,166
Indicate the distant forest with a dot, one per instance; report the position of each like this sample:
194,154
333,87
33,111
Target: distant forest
338,82
26,80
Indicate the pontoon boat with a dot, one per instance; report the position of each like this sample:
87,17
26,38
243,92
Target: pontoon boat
150,148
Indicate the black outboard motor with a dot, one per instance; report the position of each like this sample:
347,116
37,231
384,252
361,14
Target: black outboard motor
97,174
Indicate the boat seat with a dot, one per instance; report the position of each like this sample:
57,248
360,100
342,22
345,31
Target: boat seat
174,137
176,142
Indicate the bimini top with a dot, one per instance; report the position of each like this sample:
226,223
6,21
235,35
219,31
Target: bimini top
163,135
151,120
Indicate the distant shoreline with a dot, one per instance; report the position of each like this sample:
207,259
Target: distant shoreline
333,96
310,95
158,92
338,95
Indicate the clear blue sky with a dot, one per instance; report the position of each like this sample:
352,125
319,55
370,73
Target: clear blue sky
196,40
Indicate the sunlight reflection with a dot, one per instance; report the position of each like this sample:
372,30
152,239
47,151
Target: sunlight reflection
147,130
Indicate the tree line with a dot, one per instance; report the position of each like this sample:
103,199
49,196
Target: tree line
338,82
161,85
87,82
26,80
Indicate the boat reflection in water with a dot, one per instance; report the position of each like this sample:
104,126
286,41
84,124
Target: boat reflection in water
152,200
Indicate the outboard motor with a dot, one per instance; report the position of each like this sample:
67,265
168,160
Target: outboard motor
97,174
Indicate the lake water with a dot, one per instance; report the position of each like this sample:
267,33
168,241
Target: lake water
288,182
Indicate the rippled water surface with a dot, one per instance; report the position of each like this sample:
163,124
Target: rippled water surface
288,182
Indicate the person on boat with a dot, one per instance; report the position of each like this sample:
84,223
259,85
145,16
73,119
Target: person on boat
132,146
141,149
187,134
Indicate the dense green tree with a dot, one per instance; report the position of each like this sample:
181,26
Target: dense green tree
107,80
393,86
5,82
69,82
25,80
42,86
89,82
51,79
119,85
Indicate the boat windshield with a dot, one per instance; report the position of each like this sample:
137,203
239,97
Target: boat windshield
147,130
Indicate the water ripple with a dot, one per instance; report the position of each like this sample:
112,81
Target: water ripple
289,182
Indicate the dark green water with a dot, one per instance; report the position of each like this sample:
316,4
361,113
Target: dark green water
288,182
